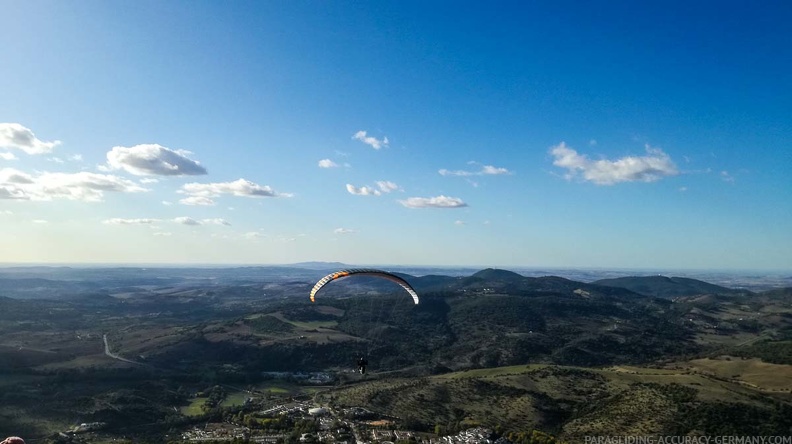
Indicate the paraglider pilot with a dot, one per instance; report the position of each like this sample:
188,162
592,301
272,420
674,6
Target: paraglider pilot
362,363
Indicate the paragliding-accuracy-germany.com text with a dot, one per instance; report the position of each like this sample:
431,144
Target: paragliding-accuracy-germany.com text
634,439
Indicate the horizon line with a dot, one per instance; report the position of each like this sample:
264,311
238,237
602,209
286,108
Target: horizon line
376,265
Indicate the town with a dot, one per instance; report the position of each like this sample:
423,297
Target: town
321,424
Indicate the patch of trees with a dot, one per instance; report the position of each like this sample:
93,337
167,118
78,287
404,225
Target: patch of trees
269,324
736,419
532,437
776,352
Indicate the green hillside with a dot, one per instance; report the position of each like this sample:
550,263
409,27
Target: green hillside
572,402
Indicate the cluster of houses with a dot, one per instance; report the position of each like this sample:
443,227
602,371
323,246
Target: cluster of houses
389,436
353,425
216,432
296,408
477,435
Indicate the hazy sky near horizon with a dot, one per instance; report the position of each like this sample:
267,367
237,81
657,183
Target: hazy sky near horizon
566,134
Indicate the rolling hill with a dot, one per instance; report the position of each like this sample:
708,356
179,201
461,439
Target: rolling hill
667,287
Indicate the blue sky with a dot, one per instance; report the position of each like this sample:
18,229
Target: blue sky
550,134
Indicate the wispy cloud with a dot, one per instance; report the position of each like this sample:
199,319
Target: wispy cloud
371,141
252,235
433,202
650,168
486,170
85,186
162,233
8,156
202,193
120,221
386,186
40,221
148,180
726,177
362,191
383,186
459,222
215,221
16,136
195,200
153,160
327,163
343,231
186,221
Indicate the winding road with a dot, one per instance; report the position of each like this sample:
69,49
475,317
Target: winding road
115,356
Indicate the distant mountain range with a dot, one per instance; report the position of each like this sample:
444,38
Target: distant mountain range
318,265
58,282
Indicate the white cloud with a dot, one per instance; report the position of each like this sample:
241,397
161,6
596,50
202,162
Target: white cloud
371,141
6,212
459,222
7,192
76,158
162,233
40,221
186,221
193,222
149,180
202,193
119,221
433,202
343,231
683,189
167,203
362,191
153,160
327,163
14,135
8,156
652,167
490,170
252,235
216,221
486,170
195,200
726,177
85,186
593,142
14,176
56,160
387,186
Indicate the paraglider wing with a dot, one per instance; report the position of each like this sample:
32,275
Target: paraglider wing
363,272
